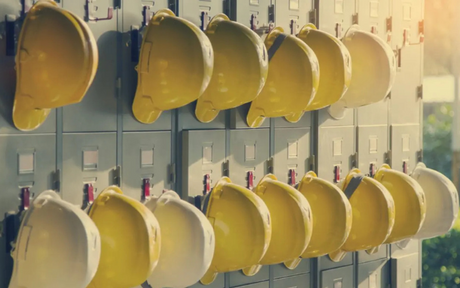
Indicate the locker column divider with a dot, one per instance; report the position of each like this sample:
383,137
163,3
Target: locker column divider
314,270
176,153
119,155
271,154
59,147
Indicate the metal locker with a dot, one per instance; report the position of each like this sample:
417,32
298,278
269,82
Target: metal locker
405,271
203,155
280,270
200,12
136,14
98,110
372,16
248,156
413,247
145,164
407,41
256,14
88,165
335,16
335,151
325,120
372,147
300,281
292,15
218,283
405,147
337,278
325,263
28,166
292,152
374,274
305,121
383,253
237,278
257,285
238,117
188,120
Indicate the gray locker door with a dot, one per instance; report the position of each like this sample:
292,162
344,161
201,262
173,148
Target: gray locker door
405,142
383,253
292,15
372,147
337,278
292,152
146,157
335,16
300,281
87,159
203,156
280,270
246,10
334,151
133,19
249,154
325,263
192,9
98,110
373,14
374,274
237,278
405,271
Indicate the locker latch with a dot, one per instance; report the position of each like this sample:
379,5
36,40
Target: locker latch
146,188
25,198
337,173
374,30
250,180
405,167
292,177
372,170
147,13
205,18
207,184
89,193
254,22
293,26
92,8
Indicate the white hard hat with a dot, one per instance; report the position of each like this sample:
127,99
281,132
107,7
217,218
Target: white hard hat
441,202
187,244
57,246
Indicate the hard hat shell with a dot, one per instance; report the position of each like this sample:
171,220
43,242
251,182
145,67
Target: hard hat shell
48,77
373,212
410,202
240,68
175,66
131,240
57,246
187,241
242,227
441,202
373,70
293,78
332,215
335,65
291,220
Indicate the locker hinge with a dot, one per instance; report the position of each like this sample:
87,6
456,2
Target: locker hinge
57,180
270,165
354,160
420,92
117,176
387,157
172,173
355,18
271,14
226,168
313,16
420,155
312,163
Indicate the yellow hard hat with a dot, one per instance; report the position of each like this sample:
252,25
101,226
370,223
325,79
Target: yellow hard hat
291,223
409,201
242,227
332,215
48,77
175,66
293,79
334,62
373,70
373,213
240,68
130,236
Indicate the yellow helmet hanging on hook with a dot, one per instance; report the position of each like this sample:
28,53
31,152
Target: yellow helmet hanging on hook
292,223
131,240
56,63
373,212
335,66
293,78
175,66
242,227
240,68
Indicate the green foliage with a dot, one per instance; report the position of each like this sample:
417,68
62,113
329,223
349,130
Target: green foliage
441,259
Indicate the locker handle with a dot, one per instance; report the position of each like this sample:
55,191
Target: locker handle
89,191
250,180
146,188
292,176
207,184
25,195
